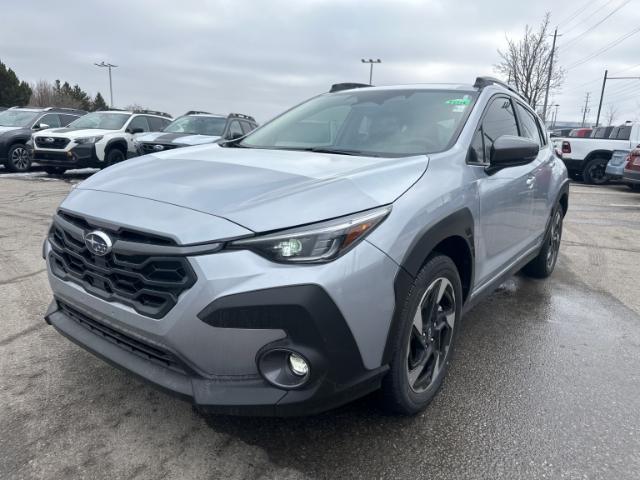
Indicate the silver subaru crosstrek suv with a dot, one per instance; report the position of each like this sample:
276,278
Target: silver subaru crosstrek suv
329,253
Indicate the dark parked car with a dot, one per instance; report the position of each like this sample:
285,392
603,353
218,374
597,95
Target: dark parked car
17,125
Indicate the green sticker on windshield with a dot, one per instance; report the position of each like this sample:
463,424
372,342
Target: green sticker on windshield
459,101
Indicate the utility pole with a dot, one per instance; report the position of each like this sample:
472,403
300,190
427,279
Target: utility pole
371,62
546,93
109,66
555,116
586,108
604,84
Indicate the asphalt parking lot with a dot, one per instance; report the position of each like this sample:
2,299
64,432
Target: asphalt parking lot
546,382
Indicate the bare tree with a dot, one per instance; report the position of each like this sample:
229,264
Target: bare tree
45,94
610,116
525,63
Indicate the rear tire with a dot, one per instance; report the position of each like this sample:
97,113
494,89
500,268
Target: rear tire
634,186
594,172
543,265
424,339
18,159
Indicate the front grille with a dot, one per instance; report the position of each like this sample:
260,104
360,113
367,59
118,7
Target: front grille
150,284
56,156
142,349
57,142
150,147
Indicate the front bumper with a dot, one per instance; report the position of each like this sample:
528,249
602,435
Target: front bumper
322,311
79,156
631,177
314,328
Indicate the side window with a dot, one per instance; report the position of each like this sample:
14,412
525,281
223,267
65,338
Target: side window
246,127
50,119
235,129
499,120
66,119
528,125
139,122
156,124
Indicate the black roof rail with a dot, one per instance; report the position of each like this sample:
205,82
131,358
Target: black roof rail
65,109
338,87
153,112
482,82
242,115
197,112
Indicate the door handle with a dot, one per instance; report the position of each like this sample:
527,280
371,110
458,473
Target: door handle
531,182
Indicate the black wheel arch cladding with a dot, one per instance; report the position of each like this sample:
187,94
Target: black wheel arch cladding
458,226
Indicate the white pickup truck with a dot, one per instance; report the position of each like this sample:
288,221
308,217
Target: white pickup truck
589,156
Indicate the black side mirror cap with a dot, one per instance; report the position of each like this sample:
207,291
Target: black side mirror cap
133,131
511,151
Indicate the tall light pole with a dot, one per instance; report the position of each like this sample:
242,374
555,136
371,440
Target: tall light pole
546,93
604,84
109,66
371,62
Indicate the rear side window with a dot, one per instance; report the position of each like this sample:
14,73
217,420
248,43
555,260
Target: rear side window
624,133
157,124
499,120
528,125
235,129
139,122
50,119
66,119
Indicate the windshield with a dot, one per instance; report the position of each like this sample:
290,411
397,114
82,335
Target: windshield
17,118
102,120
369,122
193,125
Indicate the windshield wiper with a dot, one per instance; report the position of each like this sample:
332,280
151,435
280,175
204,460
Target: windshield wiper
337,151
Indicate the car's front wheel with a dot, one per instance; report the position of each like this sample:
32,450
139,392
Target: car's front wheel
424,340
113,156
18,158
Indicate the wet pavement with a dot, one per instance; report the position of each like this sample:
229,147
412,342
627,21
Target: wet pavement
545,382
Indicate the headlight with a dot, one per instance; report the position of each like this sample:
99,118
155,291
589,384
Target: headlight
318,243
86,140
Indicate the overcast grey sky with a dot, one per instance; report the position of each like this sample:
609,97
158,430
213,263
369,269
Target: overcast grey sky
261,57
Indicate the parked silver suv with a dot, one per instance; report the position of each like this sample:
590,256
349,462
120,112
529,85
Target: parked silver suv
327,254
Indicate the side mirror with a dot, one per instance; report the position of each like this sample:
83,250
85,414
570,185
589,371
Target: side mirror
40,126
511,151
133,131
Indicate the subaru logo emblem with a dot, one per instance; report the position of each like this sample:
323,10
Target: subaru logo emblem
98,243
49,140
158,148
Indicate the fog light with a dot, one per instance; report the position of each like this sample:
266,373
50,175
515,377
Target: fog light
298,365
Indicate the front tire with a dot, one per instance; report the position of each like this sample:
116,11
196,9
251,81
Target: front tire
18,159
543,265
113,156
594,172
424,340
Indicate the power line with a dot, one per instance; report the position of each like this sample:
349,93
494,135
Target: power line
574,39
587,17
604,49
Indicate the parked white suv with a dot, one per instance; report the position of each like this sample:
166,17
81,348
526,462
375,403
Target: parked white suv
98,139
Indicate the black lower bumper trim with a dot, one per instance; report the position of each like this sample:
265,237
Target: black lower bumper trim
225,395
80,156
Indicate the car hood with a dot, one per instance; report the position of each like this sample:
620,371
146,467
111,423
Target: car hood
74,132
182,139
260,189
